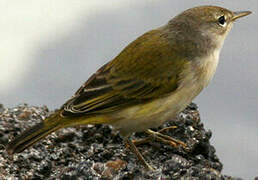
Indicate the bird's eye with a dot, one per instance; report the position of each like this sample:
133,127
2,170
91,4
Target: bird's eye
222,21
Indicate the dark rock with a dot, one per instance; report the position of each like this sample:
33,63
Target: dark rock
97,151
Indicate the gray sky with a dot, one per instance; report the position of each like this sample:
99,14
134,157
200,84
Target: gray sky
50,48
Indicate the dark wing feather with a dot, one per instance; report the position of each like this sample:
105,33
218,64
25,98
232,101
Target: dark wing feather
147,68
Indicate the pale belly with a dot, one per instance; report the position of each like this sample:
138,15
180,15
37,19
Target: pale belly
154,113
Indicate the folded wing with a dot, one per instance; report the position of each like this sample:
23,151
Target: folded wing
140,73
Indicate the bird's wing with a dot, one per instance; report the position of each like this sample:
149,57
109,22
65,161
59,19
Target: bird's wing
147,68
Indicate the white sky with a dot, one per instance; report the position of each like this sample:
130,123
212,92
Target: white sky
24,23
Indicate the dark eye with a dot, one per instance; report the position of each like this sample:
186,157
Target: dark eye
222,20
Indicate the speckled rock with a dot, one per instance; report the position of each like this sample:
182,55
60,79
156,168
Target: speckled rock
97,151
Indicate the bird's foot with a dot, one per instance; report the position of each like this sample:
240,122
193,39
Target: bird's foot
153,135
165,138
160,137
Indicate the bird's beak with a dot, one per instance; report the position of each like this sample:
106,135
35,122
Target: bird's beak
240,14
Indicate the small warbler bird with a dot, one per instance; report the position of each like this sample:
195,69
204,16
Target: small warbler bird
149,82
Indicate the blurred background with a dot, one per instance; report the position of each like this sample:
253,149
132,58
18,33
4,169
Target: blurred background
49,48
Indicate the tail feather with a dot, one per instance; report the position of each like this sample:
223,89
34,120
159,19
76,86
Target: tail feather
49,125
34,134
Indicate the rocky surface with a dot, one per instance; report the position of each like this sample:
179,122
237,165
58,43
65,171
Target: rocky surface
97,151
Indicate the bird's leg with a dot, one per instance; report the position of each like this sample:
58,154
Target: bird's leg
167,128
147,139
161,137
138,154
141,141
165,138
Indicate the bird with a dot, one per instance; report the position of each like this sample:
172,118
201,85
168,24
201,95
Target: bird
149,82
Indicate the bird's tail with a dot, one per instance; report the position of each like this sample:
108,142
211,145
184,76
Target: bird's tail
34,134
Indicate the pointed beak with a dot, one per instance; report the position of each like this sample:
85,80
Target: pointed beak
240,14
